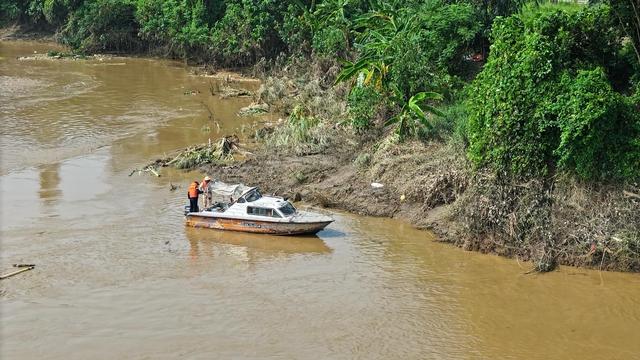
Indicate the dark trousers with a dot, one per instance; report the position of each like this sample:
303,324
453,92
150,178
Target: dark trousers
193,204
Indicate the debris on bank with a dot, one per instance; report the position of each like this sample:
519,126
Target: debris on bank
218,152
254,109
229,92
149,168
56,55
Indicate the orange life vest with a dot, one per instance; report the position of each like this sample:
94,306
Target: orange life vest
193,190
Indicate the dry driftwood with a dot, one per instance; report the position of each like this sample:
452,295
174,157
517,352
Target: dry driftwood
16,272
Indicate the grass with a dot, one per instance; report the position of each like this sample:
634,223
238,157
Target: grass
302,132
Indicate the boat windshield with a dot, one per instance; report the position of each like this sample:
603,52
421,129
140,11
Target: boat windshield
253,195
287,209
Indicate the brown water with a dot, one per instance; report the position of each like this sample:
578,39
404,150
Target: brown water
118,275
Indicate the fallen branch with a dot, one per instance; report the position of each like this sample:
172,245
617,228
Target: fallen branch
630,194
148,168
16,272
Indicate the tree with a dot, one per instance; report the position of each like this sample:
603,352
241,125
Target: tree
627,13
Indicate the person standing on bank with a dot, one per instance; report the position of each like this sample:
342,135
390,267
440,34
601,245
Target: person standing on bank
204,187
193,193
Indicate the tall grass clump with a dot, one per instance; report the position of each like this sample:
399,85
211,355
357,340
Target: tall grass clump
301,133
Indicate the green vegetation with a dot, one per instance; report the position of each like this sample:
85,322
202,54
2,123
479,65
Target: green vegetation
412,115
553,95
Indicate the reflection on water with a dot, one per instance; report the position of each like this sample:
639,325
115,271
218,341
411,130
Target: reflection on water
250,248
49,191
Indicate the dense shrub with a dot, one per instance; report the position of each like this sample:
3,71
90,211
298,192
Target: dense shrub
545,100
182,23
361,106
106,25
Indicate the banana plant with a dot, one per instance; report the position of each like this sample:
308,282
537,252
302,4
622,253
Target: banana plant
382,28
373,68
413,111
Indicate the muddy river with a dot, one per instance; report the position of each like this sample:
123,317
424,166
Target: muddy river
118,275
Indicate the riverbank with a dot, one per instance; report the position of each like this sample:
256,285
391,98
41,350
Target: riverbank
16,32
559,220
563,221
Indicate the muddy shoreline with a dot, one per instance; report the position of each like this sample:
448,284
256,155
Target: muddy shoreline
440,195
331,179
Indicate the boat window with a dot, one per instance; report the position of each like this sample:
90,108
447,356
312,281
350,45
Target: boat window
287,209
262,211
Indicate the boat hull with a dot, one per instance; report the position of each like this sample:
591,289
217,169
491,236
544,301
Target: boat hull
255,226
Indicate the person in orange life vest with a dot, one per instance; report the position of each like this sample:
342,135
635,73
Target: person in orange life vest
193,193
204,187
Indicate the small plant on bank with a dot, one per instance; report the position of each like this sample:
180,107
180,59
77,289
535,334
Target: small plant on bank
362,161
299,177
412,116
56,53
301,134
205,128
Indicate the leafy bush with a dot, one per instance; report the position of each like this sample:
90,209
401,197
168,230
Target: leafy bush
361,106
101,25
544,99
329,41
10,9
598,128
248,31
184,23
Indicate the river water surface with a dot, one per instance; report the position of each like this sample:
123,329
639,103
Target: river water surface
119,276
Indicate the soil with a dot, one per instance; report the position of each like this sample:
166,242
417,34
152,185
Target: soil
25,33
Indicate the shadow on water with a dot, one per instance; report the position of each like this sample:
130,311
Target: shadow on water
203,241
329,233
